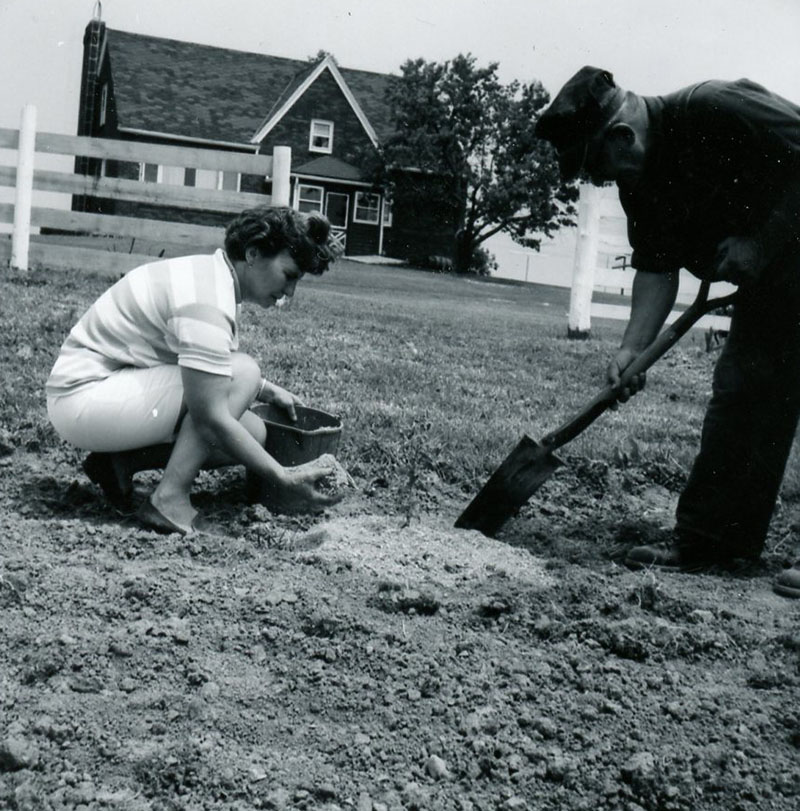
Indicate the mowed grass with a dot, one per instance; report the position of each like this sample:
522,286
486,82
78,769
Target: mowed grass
454,370
429,373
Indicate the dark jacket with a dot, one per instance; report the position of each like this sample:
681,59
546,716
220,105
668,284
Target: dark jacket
723,160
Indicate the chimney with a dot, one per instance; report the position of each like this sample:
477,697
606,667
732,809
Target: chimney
92,51
92,48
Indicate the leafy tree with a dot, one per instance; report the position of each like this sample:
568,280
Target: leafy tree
471,138
319,56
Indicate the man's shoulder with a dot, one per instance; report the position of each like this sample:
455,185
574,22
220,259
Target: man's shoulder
707,93
737,95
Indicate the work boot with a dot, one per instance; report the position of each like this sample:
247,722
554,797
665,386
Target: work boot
787,583
670,556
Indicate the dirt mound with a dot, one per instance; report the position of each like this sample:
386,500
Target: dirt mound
432,553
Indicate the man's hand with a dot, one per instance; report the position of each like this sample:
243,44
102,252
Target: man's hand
739,260
621,361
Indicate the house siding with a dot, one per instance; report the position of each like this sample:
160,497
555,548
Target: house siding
419,229
323,100
362,239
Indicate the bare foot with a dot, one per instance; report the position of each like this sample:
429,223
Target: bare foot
178,510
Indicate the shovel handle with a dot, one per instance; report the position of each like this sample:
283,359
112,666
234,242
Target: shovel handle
666,339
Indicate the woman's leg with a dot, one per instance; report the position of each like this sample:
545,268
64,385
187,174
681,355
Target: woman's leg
127,421
190,453
130,409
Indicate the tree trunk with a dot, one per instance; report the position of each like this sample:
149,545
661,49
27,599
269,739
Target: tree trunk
462,251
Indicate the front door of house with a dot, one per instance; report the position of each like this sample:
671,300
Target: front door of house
336,210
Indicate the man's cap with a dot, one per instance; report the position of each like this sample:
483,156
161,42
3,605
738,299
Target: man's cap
583,106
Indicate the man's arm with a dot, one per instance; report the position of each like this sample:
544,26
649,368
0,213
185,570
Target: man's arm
651,302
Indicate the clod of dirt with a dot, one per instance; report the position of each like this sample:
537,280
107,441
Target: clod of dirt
393,598
437,768
336,481
7,444
494,607
17,753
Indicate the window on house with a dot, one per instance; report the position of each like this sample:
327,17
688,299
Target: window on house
309,198
321,136
368,206
190,177
205,178
149,172
172,175
103,105
213,179
229,181
387,213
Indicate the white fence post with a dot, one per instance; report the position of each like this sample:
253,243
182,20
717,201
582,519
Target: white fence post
21,235
580,300
281,169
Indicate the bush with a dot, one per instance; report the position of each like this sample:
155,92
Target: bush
438,264
483,262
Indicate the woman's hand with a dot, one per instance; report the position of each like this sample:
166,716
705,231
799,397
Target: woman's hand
298,490
271,393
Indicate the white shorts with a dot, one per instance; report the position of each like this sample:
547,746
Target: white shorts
132,408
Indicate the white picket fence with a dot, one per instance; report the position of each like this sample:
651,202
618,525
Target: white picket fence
94,245
601,223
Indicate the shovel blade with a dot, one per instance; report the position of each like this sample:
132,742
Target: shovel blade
520,475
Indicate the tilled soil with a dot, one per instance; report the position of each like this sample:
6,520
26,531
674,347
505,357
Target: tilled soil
376,658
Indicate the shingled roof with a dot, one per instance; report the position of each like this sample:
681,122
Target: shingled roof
328,166
201,91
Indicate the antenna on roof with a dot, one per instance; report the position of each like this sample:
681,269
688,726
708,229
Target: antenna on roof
98,10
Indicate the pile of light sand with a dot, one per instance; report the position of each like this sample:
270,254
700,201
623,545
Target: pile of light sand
432,552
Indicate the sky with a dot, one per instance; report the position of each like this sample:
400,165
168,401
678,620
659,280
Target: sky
651,46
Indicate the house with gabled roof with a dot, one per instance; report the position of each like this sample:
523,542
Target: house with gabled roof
146,88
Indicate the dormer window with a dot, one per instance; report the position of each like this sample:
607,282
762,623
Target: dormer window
321,136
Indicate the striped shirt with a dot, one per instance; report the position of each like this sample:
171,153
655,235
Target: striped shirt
175,311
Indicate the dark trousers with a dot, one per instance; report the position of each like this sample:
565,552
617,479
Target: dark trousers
750,422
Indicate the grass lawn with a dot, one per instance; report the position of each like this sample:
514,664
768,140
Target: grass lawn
452,371
427,371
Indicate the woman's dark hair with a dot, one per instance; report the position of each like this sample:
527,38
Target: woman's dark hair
272,230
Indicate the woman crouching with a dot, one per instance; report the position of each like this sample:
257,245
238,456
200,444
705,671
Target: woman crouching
151,375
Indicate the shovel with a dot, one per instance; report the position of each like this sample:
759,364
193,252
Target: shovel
531,463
